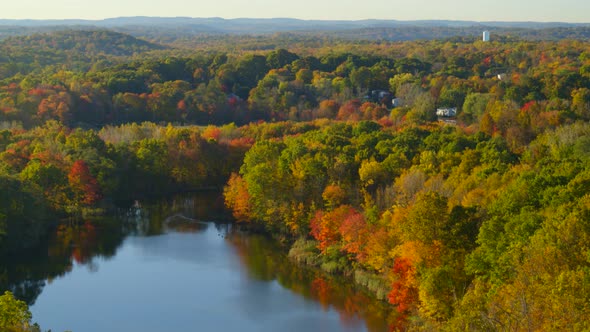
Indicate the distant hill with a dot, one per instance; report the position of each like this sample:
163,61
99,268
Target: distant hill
89,42
72,49
254,25
183,30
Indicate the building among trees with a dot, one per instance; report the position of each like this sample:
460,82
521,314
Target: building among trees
446,112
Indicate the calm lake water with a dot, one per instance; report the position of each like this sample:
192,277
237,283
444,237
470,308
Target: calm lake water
166,266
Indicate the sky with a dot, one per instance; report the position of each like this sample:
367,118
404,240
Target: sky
472,10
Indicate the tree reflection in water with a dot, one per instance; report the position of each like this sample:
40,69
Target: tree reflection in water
83,242
265,260
80,242
74,242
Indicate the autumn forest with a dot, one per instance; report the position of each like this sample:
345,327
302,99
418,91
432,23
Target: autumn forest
332,146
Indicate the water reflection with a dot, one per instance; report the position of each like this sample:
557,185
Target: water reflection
26,275
264,260
215,250
180,213
84,241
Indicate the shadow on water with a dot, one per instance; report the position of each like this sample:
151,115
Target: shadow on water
25,275
85,242
82,242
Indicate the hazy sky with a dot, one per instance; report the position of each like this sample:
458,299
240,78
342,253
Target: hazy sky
492,10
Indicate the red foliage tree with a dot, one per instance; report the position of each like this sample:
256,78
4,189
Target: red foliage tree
403,293
315,225
350,111
354,233
83,184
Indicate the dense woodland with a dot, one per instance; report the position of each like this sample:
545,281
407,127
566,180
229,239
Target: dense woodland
479,222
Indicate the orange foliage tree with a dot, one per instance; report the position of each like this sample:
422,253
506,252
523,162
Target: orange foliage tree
343,225
333,195
325,226
211,133
237,197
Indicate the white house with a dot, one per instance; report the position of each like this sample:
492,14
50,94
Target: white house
396,102
446,112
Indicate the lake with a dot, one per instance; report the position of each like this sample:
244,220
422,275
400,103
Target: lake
169,266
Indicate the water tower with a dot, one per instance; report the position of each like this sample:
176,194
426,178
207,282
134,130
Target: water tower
486,36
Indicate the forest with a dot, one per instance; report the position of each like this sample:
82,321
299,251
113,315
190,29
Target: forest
477,222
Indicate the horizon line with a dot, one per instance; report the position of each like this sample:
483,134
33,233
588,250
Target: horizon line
288,18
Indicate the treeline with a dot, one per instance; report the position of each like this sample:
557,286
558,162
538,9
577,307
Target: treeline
286,34
455,229
500,79
53,171
467,33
